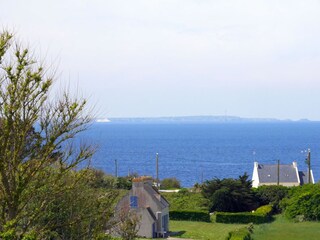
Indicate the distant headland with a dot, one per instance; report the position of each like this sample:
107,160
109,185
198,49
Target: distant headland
197,119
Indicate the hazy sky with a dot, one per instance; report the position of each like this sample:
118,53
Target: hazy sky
180,57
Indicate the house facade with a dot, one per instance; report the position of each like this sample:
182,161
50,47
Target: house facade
283,174
150,206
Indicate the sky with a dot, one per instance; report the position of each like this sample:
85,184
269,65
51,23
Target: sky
151,58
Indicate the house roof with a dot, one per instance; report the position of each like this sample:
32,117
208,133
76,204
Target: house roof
269,173
161,203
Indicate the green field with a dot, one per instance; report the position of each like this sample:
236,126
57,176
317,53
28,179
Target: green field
282,228
202,230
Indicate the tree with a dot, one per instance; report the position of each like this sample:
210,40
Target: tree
127,224
36,137
81,211
229,195
169,183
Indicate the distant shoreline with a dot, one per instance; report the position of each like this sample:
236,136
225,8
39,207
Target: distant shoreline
199,120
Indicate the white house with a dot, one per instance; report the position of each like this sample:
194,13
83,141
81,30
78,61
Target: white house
286,174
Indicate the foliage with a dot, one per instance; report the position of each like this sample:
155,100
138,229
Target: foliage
241,233
183,191
245,217
41,195
80,212
126,224
264,210
303,203
186,200
101,180
124,183
201,216
261,215
271,195
202,230
170,183
229,195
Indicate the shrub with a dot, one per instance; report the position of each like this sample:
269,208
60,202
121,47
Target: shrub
245,217
264,210
201,216
170,183
271,195
302,203
183,191
124,183
305,207
240,234
261,215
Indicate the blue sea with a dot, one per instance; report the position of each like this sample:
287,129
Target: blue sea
197,152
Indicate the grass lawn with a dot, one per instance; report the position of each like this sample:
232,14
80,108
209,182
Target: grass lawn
203,230
282,228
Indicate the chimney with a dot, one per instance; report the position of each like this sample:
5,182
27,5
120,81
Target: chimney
139,181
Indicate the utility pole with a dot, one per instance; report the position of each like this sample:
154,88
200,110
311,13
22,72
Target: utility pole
201,176
116,167
157,169
308,161
278,173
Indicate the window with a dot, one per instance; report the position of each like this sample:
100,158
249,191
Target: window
133,202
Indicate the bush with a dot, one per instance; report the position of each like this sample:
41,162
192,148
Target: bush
200,216
170,183
264,210
124,183
271,195
261,215
245,217
240,234
304,207
183,191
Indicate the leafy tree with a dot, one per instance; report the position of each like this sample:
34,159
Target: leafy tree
126,182
101,180
79,212
169,183
229,195
36,137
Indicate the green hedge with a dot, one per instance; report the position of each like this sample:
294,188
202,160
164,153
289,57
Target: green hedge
261,215
201,216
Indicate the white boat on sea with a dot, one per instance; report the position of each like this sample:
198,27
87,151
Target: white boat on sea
102,120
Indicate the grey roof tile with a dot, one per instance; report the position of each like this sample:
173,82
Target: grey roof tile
269,173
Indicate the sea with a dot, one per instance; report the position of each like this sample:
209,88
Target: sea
194,153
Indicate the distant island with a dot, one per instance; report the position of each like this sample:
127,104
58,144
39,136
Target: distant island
196,119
